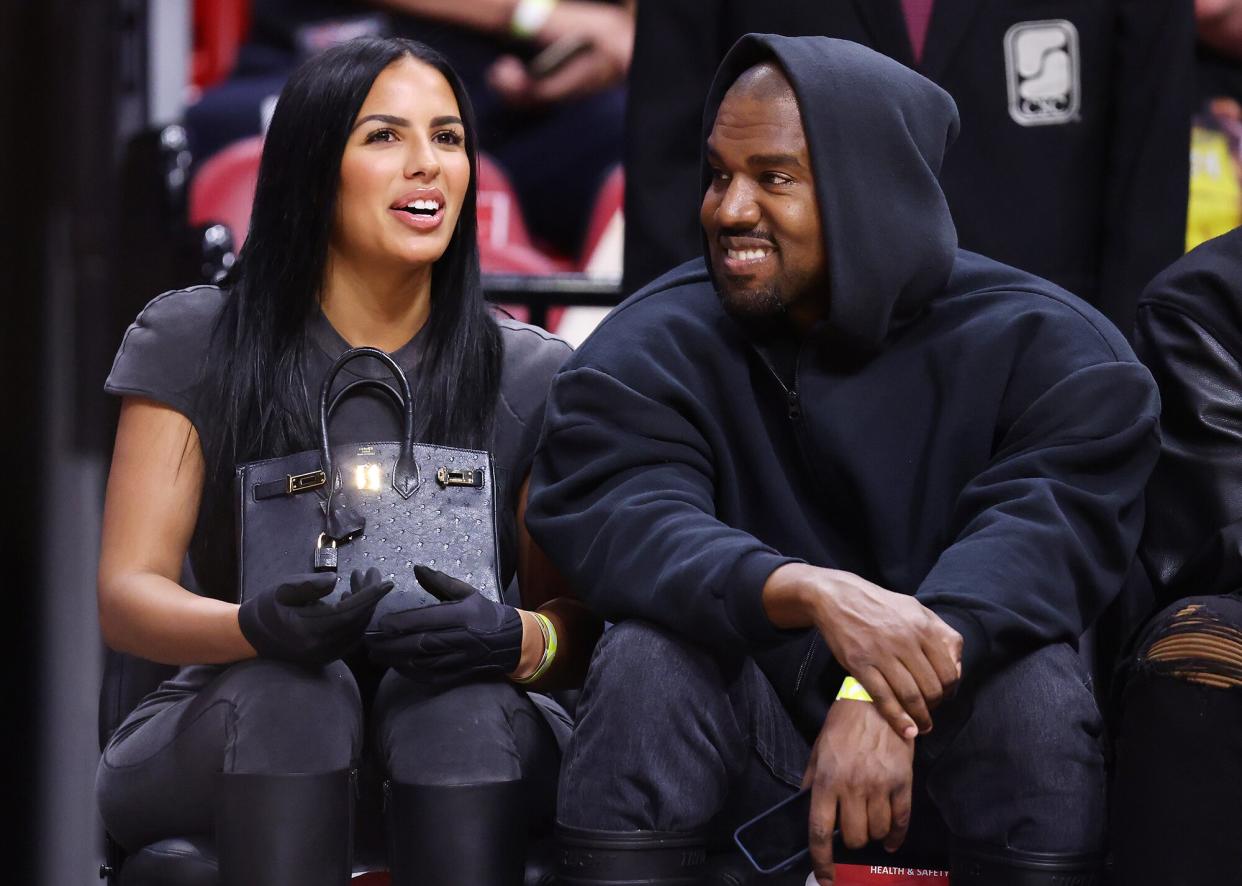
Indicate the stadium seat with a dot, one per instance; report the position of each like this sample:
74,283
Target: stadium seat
601,258
601,251
222,190
505,245
220,26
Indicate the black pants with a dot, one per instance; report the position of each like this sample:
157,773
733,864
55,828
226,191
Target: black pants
157,776
664,742
1177,817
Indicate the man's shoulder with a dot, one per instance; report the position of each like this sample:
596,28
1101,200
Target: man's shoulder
658,317
986,298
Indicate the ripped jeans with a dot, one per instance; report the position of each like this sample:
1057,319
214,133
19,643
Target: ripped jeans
1177,809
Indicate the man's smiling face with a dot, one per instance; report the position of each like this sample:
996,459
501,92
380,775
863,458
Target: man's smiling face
760,213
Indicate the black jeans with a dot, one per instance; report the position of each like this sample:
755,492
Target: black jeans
1176,817
663,742
157,776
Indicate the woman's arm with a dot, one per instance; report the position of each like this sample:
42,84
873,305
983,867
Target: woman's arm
545,590
154,489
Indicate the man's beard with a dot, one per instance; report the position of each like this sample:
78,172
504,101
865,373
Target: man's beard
750,305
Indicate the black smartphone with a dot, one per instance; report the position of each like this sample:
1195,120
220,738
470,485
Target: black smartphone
776,838
556,55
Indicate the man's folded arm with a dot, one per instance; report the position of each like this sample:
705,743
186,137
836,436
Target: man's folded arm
622,501
1045,535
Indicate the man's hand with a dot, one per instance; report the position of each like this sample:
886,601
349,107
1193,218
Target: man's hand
861,774
906,658
609,32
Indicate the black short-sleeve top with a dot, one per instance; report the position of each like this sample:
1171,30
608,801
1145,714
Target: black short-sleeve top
162,358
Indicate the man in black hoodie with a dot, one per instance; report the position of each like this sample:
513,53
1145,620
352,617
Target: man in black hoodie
840,452
1076,125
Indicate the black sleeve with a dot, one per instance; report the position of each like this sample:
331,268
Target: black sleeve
676,51
622,500
161,356
1149,156
1045,535
532,357
1193,541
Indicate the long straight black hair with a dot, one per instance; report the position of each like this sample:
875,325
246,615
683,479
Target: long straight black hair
255,388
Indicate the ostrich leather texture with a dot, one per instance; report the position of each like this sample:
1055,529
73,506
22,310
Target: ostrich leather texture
447,522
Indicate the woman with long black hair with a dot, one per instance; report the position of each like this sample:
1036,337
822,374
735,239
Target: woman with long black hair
363,233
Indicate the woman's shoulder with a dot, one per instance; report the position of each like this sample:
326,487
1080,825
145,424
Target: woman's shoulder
530,348
162,352
531,358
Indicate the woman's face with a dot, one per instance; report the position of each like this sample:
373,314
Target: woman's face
405,171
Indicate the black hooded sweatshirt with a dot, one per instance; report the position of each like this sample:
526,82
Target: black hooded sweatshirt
955,429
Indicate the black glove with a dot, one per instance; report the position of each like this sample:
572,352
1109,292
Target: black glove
465,637
289,622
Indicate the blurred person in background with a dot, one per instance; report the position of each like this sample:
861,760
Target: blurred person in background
363,234
1075,125
1219,24
1216,138
545,77
1176,818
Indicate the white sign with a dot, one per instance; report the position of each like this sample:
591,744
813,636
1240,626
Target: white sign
1041,66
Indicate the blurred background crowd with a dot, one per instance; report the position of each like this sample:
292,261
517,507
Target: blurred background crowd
132,132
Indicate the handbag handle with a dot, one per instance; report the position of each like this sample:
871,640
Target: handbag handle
405,472
383,387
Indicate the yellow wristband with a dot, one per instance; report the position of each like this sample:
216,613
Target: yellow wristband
853,690
549,649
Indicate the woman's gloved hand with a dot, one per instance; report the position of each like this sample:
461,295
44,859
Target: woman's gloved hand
291,622
465,637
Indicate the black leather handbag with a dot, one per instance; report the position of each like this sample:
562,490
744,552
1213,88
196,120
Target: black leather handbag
388,504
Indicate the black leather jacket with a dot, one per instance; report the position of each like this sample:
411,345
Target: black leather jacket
1189,333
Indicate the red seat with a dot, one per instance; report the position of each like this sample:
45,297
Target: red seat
505,245
223,188
500,216
220,26
609,203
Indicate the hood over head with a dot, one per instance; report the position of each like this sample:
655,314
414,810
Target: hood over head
876,132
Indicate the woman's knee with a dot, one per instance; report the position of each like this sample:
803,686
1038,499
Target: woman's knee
289,718
467,734
159,774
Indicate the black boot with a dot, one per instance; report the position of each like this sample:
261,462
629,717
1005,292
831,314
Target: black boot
975,864
456,835
630,858
285,830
